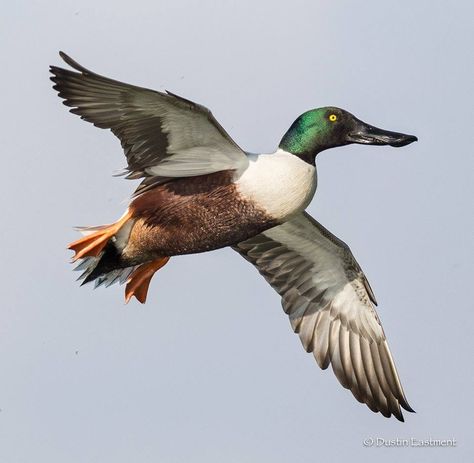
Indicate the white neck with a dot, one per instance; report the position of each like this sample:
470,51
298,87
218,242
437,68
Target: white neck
280,183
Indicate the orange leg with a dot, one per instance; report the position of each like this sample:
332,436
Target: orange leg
94,243
139,281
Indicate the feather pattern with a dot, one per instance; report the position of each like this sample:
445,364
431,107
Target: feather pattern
119,275
163,135
331,306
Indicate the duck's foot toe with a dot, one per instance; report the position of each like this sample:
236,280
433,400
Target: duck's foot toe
139,281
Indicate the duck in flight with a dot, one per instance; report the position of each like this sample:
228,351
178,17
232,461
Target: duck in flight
200,191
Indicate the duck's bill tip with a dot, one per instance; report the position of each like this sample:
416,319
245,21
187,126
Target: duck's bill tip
403,141
369,135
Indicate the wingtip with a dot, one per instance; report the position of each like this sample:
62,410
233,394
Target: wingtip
404,402
389,413
73,63
66,58
398,413
407,407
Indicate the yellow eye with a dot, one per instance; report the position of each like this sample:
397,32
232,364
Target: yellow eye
333,118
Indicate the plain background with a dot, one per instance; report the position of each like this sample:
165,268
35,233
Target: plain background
209,370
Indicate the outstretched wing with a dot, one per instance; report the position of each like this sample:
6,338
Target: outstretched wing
162,134
331,307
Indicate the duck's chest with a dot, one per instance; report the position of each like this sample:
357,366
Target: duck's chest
280,184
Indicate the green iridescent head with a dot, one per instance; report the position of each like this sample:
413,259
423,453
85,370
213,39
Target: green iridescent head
323,128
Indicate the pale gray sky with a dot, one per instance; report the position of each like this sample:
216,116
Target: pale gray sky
209,369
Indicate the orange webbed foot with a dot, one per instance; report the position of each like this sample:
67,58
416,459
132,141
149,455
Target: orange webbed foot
139,281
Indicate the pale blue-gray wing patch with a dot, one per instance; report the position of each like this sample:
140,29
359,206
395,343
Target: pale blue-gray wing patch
331,306
162,134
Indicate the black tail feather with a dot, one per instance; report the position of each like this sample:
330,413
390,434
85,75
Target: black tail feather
105,269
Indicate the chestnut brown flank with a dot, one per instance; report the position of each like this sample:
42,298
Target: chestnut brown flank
190,215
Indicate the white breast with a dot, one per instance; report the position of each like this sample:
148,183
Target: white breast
279,183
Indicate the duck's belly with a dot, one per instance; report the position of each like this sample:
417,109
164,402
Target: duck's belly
192,215
280,184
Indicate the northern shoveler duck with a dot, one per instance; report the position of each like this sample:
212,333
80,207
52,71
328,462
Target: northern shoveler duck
200,191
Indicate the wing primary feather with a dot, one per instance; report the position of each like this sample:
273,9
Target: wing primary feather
372,380
320,351
392,376
391,400
344,351
334,353
361,380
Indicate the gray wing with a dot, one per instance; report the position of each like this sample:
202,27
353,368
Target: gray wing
331,307
162,134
